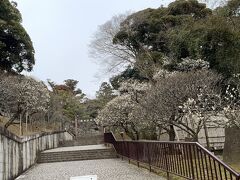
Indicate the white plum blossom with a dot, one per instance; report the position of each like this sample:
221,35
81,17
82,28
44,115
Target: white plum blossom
116,111
162,73
19,94
189,64
131,86
231,104
123,112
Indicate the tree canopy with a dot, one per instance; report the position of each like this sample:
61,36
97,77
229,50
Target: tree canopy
186,28
19,94
16,48
186,62
67,99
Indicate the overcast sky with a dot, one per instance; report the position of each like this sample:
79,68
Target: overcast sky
61,31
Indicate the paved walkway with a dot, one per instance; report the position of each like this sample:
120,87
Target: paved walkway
77,148
105,169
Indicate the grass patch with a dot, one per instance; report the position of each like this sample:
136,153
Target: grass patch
236,167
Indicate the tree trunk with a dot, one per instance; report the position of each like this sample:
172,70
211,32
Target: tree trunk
137,136
26,121
176,133
31,123
195,138
129,133
20,124
48,117
135,131
76,126
13,118
171,133
206,135
159,133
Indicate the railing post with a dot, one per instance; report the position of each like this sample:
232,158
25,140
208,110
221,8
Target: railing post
166,160
123,148
149,157
238,177
168,176
191,158
137,154
128,154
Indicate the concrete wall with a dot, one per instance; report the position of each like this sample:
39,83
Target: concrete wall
231,152
19,154
215,132
216,137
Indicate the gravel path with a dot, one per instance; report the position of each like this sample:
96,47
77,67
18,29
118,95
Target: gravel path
77,148
105,169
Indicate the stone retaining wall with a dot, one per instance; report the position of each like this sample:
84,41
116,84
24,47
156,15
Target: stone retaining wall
231,152
18,154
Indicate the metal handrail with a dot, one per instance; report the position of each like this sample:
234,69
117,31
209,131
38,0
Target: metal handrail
185,159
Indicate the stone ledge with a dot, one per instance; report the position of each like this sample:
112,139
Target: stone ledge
18,139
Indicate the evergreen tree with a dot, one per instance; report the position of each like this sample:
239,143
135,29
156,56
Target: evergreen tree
16,49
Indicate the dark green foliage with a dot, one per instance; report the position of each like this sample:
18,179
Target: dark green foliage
214,40
103,96
16,49
92,107
221,48
105,92
186,28
190,7
149,27
129,73
232,9
67,99
154,33
72,85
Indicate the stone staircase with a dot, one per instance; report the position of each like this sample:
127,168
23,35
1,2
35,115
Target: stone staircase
84,140
76,153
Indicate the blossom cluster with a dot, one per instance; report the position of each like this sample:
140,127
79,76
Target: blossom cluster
20,92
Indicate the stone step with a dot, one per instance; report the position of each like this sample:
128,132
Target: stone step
82,141
45,160
76,152
74,159
77,156
60,156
